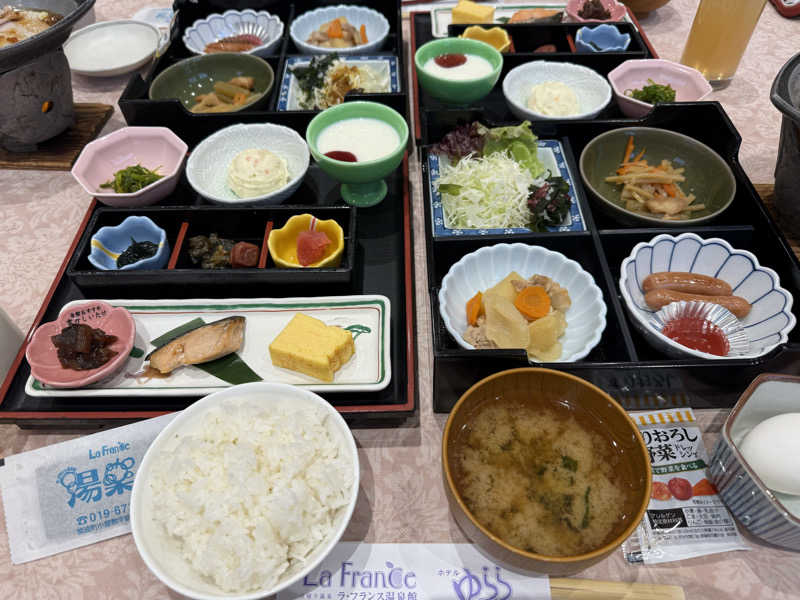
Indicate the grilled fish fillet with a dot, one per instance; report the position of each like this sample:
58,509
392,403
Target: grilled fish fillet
200,345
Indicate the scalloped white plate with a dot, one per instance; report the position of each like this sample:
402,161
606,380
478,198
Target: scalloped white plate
482,269
234,22
591,88
207,167
770,319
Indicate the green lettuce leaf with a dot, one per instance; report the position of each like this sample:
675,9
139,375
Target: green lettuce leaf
519,141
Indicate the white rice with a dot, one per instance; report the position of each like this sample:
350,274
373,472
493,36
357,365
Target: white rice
251,491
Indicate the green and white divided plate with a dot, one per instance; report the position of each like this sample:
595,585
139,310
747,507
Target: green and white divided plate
366,317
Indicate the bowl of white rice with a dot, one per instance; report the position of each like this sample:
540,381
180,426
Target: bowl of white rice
245,492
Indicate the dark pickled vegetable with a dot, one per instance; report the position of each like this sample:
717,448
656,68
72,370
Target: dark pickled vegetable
313,76
549,204
81,347
135,252
131,179
212,252
244,254
593,9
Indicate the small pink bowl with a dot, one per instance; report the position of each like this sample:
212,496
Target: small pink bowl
149,146
617,10
43,355
688,83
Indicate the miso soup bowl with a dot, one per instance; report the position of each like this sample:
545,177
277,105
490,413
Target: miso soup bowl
596,411
362,182
457,92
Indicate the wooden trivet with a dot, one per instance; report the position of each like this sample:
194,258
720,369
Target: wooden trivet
59,153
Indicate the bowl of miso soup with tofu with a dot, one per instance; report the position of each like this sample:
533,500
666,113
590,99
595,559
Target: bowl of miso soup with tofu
544,470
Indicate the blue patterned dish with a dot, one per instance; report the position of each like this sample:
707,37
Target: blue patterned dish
770,320
551,154
109,242
602,38
769,515
289,98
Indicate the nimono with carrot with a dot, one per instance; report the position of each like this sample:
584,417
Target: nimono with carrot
653,190
519,312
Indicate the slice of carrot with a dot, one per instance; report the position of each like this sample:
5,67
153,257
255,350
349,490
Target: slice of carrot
335,29
474,308
640,155
670,189
533,302
363,34
628,149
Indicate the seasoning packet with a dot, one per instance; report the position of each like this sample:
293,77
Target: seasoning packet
74,493
685,517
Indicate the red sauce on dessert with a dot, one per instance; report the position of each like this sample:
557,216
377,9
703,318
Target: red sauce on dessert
697,334
450,60
342,155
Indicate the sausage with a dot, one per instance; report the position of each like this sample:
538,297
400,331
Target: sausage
655,299
244,254
689,283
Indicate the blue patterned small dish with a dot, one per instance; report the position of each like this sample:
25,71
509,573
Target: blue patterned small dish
290,97
770,319
109,242
551,154
769,515
602,38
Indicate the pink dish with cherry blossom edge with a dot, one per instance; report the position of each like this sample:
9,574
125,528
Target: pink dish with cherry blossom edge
42,353
615,9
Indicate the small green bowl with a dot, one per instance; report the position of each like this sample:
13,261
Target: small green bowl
362,182
708,176
457,92
193,76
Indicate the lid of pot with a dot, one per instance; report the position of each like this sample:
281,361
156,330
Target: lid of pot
785,93
15,55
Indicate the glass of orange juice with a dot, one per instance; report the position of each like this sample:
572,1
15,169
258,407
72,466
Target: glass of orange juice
718,38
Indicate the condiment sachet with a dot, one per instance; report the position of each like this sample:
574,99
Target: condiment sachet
685,517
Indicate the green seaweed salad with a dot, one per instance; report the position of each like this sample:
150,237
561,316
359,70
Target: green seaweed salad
131,179
653,93
496,180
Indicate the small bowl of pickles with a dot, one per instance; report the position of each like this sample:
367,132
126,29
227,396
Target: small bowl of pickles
131,167
136,243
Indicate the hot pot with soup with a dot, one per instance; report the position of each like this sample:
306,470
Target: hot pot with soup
35,83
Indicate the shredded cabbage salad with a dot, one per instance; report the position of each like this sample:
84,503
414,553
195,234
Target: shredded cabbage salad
491,192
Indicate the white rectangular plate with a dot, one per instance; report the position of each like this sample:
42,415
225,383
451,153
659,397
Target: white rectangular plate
368,370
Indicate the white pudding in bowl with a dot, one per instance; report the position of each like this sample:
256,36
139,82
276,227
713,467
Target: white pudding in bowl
363,138
474,67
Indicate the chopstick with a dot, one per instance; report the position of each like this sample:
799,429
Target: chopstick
588,589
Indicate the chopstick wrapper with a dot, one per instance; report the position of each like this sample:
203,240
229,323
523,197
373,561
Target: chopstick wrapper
74,493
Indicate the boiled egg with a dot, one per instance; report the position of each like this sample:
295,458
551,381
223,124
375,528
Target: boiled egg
772,449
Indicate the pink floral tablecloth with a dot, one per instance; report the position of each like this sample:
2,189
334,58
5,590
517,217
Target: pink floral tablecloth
401,497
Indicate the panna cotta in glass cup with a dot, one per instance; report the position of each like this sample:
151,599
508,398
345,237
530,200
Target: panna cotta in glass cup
359,144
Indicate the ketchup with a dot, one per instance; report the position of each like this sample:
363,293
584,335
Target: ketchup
697,334
342,155
450,60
